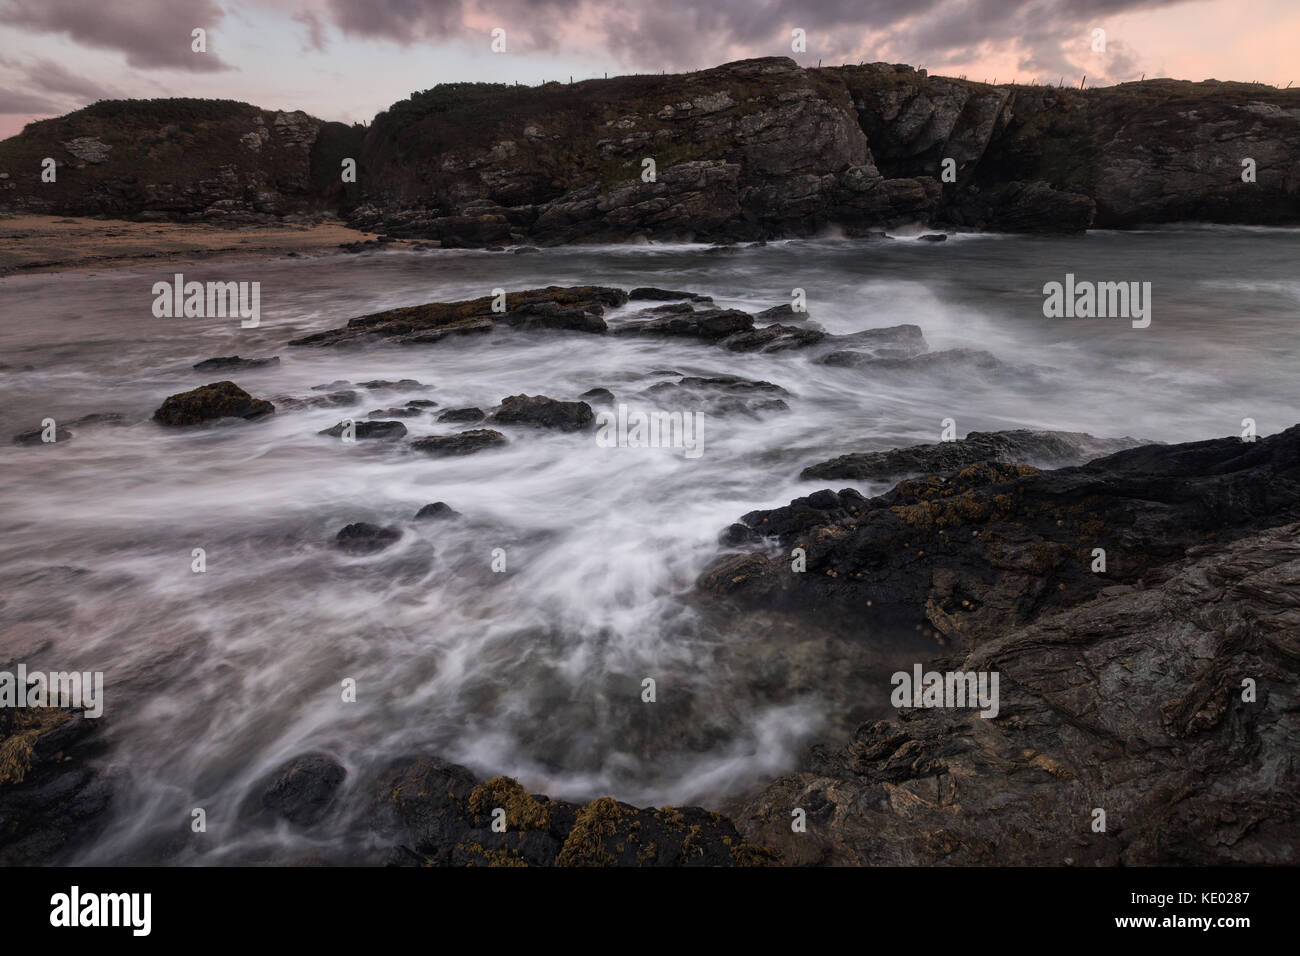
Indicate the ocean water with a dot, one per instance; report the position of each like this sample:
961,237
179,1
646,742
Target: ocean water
213,679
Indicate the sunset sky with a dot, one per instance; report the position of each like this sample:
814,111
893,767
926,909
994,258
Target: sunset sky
348,59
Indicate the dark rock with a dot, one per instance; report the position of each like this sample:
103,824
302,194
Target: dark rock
210,402
366,430
990,548
235,363
437,813
438,510
598,396
934,237
53,797
408,412
462,443
1020,446
34,436
710,325
301,790
578,307
664,295
544,412
379,384
773,338
1131,702
364,538
470,414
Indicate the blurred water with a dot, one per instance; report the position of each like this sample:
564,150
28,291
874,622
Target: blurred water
212,679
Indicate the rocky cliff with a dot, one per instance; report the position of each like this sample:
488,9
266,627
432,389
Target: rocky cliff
750,150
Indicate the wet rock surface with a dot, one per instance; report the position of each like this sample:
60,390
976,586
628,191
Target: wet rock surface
1131,703
439,814
461,443
210,403
990,548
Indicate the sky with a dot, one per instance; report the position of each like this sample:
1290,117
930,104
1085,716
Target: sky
348,59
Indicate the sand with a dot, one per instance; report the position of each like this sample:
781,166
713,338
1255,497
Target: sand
53,244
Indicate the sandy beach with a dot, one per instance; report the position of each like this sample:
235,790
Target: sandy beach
53,244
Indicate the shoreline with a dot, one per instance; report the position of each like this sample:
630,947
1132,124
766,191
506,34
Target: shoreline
41,244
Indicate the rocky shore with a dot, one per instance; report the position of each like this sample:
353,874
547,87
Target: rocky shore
1157,685
752,150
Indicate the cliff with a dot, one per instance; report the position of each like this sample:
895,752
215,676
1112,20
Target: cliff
750,150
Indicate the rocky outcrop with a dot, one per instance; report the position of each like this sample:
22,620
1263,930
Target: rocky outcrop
749,150
181,159
438,814
1171,710
461,443
1022,445
51,794
210,403
564,308
970,555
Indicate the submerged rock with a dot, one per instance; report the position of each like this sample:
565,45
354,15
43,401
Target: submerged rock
209,403
470,414
436,511
367,430
235,363
461,443
364,538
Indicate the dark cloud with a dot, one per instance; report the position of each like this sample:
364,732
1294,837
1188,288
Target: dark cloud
154,34
25,103
1044,35
315,30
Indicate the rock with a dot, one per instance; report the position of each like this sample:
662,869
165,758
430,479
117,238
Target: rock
437,510
578,307
365,430
934,237
544,412
781,313
1022,446
235,363
652,294
462,443
470,414
36,436
364,538
720,395
438,814
710,325
301,790
53,796
410,411
209,403
975,554
379,384
1131,702
773,338
598,396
